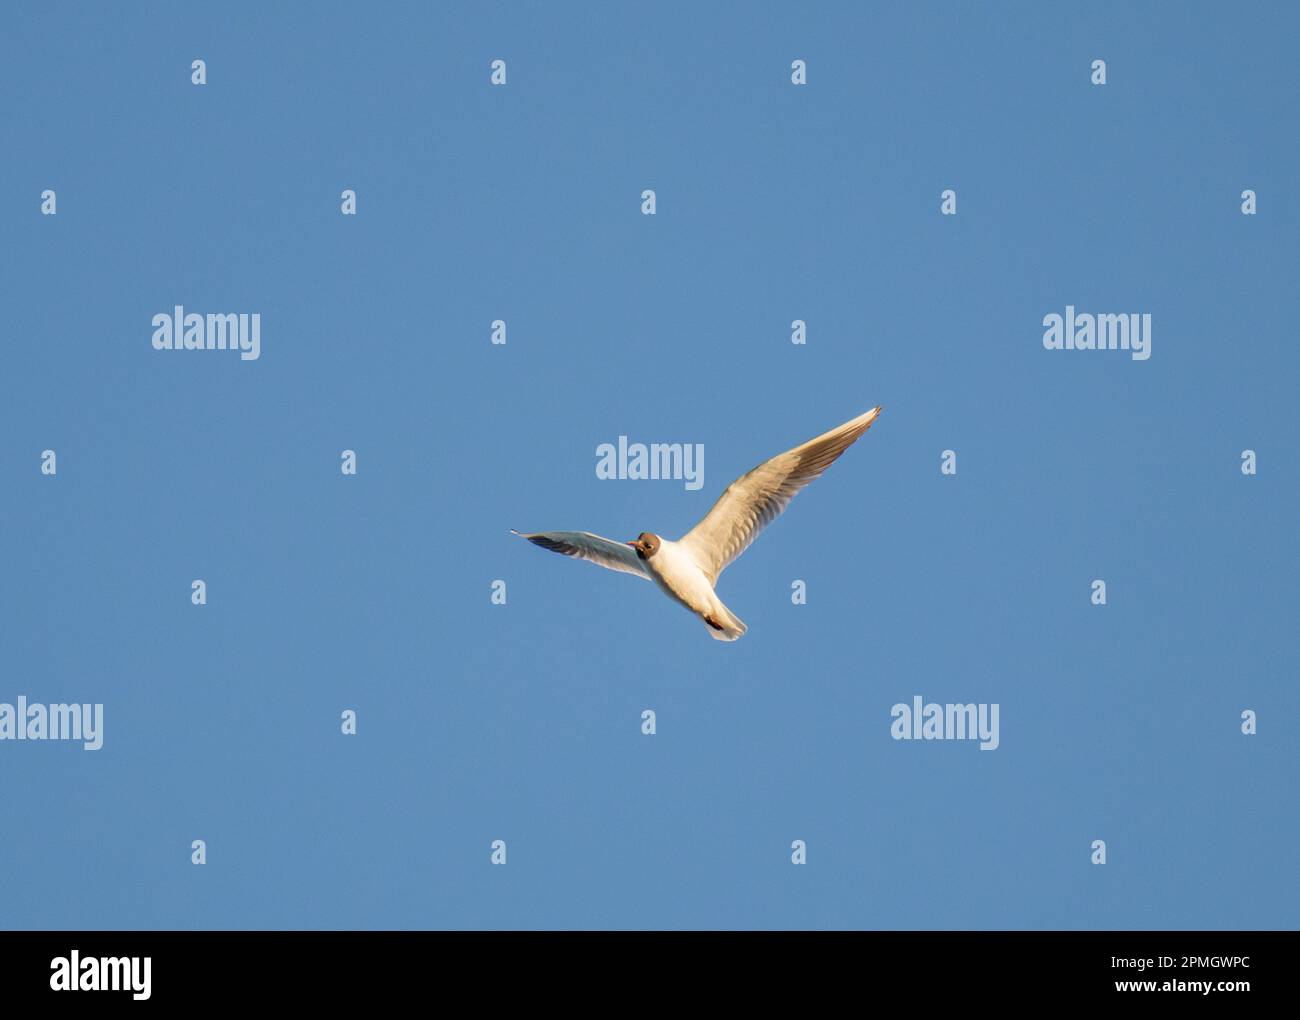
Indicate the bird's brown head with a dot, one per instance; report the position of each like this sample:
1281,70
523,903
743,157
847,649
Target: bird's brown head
646,545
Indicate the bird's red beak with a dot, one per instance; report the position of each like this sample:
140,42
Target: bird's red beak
634,545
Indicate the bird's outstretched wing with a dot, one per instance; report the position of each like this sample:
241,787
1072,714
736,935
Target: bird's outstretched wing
603,552
756,499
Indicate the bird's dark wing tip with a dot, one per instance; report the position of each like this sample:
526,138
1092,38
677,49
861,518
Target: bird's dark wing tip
552,545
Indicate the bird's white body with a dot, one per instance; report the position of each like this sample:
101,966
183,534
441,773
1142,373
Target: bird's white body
687,569
674,569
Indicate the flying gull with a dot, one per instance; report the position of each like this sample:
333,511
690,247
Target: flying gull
688,568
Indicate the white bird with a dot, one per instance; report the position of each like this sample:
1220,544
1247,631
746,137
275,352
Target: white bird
688,569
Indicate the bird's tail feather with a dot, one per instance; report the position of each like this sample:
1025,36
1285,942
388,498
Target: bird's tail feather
723,624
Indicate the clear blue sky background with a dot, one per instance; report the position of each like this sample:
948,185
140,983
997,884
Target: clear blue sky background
481,722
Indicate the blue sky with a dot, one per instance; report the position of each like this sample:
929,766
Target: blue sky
522,722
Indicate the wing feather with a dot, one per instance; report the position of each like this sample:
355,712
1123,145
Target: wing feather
756,499
604,552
